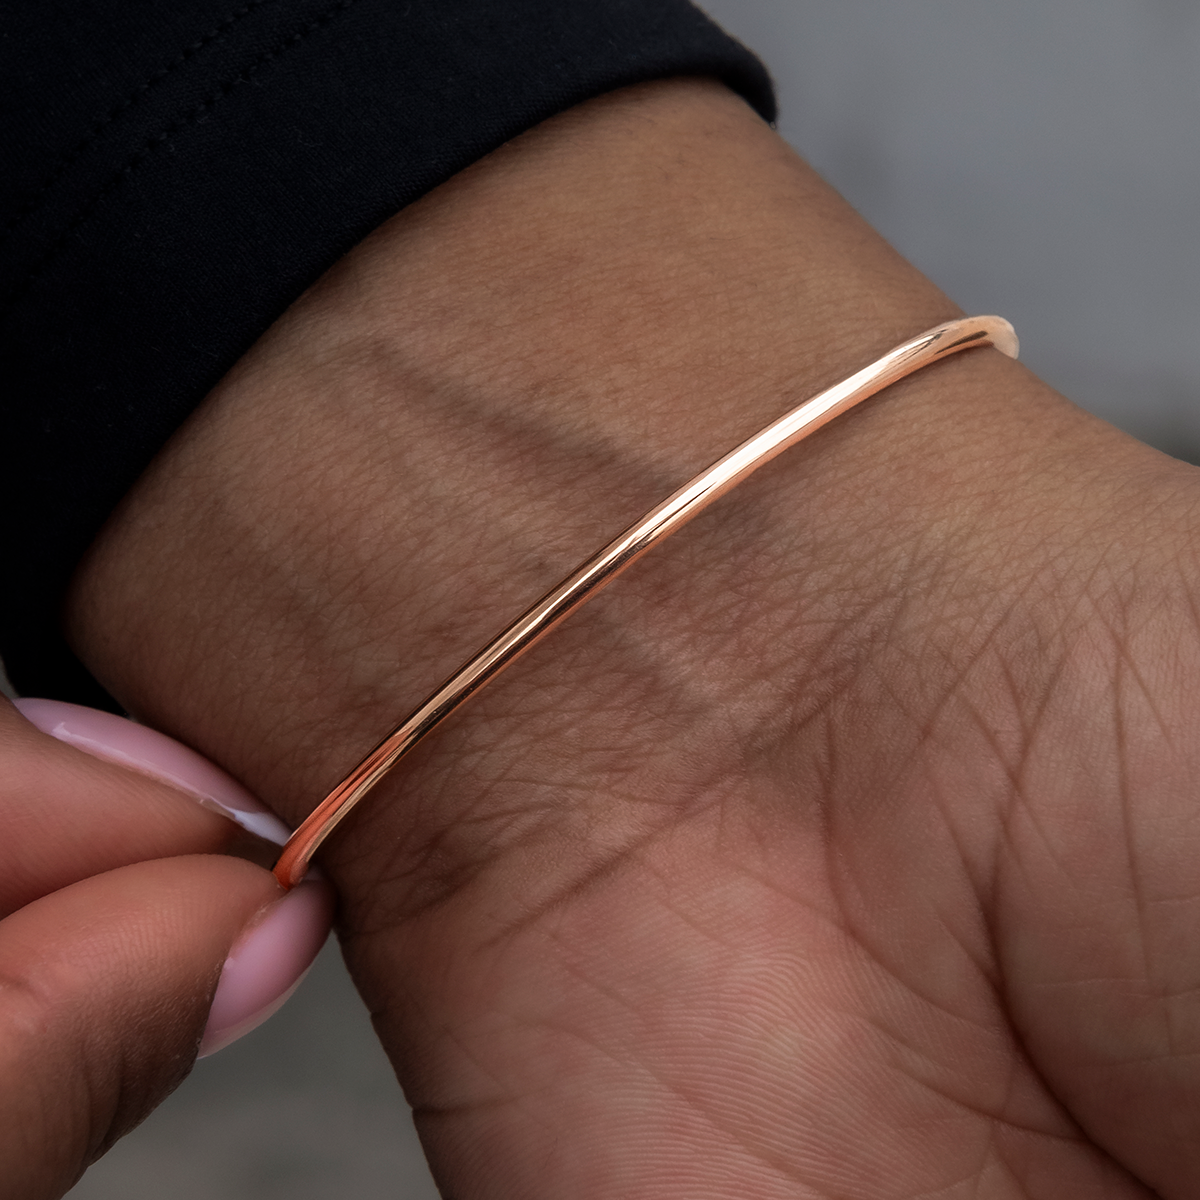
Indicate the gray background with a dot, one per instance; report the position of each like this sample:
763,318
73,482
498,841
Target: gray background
1037,158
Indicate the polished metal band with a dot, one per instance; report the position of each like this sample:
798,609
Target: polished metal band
603,567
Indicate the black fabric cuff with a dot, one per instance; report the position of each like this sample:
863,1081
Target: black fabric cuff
177,174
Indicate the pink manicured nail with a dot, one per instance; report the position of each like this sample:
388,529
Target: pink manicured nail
268,963
152,753
270,959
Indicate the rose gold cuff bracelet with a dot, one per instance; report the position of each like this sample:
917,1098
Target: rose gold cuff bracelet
605,566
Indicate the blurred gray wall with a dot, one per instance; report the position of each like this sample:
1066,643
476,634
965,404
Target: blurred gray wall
1037,158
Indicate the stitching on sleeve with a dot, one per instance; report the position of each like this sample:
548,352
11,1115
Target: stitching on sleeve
218,31
152,143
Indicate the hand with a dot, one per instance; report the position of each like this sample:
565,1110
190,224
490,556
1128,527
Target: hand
845,848
118,910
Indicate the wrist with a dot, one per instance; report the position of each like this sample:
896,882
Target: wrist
488,389
641,865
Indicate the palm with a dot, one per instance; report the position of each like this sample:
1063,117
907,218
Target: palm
913,919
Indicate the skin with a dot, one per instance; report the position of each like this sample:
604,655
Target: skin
845,848
98,866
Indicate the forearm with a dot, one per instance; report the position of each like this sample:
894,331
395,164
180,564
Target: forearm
491,386
482,394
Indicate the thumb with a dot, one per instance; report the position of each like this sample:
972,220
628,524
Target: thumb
105,988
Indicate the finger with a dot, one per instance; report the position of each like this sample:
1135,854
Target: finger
263,971
104,992
67,814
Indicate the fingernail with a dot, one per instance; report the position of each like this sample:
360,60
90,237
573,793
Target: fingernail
152,753
268,963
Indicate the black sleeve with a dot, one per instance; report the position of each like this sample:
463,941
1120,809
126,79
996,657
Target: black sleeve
175,173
